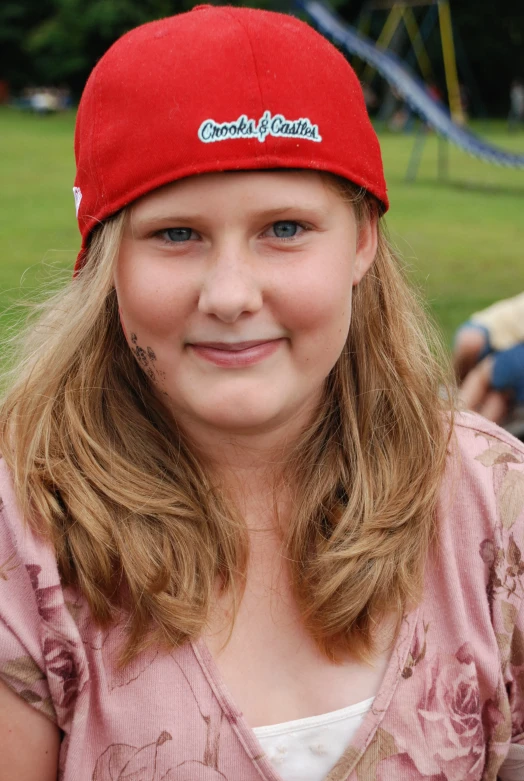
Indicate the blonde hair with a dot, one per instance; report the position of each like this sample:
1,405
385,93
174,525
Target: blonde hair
136,522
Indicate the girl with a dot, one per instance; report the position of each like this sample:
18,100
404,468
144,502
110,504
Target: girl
242,536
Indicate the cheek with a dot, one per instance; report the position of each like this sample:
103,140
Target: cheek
151,304
321,303
147,321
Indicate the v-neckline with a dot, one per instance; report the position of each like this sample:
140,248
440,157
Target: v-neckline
355,748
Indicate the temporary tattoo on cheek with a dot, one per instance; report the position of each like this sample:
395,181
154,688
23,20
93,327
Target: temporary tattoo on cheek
147,359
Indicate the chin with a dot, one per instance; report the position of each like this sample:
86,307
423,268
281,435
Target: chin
242,415
235,422
245,411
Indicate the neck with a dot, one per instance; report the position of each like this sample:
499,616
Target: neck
249,465
251,474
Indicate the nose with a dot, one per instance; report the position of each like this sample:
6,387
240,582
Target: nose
230,287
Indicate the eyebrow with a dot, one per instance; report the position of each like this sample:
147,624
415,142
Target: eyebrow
181,218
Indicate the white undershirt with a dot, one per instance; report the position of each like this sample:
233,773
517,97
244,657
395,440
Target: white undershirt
307,749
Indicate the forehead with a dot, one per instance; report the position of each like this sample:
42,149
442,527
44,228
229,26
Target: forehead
253,190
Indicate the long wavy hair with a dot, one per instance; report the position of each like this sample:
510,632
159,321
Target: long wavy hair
137,523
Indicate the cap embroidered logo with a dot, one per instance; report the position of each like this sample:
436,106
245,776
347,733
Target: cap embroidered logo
277,126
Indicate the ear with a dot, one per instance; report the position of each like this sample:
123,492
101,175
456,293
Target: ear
367,242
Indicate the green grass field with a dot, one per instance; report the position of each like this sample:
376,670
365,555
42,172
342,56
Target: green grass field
462,238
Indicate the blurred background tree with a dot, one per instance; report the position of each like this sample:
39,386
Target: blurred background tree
489,43
57,42
46,42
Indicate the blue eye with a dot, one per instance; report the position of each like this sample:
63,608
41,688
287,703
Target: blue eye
178,234
285,229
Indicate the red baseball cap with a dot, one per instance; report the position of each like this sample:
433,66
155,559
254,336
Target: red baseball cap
217,89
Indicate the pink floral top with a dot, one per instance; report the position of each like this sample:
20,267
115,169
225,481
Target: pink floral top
449,707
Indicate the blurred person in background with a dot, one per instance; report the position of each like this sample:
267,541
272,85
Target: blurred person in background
516,107
488,358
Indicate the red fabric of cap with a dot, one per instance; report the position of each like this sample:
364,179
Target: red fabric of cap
217,89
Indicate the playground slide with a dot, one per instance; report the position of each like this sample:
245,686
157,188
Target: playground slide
406,84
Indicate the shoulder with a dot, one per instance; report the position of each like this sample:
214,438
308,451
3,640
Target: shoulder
481,518
486,461
472,432
481,506
16,535
38,638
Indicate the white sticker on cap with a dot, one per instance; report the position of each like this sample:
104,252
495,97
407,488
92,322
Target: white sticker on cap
77,193
268,125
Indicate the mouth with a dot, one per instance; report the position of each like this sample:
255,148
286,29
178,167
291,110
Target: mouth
235,354
232,346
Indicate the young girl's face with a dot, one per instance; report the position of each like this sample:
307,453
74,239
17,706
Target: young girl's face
235,294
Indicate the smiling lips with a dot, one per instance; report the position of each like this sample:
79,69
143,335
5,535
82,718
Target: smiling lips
236,354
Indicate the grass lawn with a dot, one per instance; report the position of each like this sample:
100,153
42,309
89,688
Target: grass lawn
462,238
